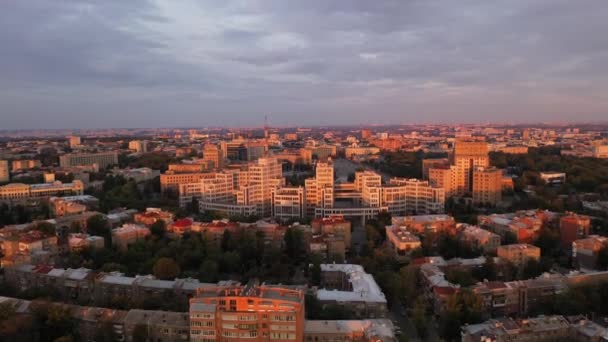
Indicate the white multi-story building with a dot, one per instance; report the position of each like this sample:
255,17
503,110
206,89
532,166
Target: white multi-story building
236,191
288,203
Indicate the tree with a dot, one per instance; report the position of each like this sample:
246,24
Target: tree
602,257
419,317
166,269
209,271
105,332
45,227
140,333
99,225
315,270
158,229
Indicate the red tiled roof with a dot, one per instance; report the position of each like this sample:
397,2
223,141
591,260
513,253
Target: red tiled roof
185,222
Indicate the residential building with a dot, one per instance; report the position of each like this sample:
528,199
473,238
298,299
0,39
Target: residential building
433,163
247,313
352,152
335,225
74,141
573,227
72,205
585,251
138,175
541,328
161,326
518,254
367,330
153,215
552,178
213,157
487,185
421,224
401,240
349,286
127,234
479,238
101,159
138,146
78,242
524,226
468,154
170,181
328,246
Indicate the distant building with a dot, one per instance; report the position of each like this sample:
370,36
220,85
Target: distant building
72,205
5,175
102,159
74,141
20,192
213,157
518,254
25,164
553,177
138,146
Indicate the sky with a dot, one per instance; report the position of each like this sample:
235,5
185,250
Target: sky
195,63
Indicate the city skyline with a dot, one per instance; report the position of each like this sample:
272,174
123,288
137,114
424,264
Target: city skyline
162,64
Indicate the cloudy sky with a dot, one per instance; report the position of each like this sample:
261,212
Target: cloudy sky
168,63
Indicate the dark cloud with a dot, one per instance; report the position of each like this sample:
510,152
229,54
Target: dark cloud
87,63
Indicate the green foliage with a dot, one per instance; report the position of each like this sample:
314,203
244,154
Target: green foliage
583,174
99,225
463,307
166,269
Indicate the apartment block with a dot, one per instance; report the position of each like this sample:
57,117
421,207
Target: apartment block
247,313
477,237
518,254
401,240
573,227
127,234
487,185
585,251
348,285
421,224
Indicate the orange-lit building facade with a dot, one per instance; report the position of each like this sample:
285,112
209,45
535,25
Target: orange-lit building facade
247,313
